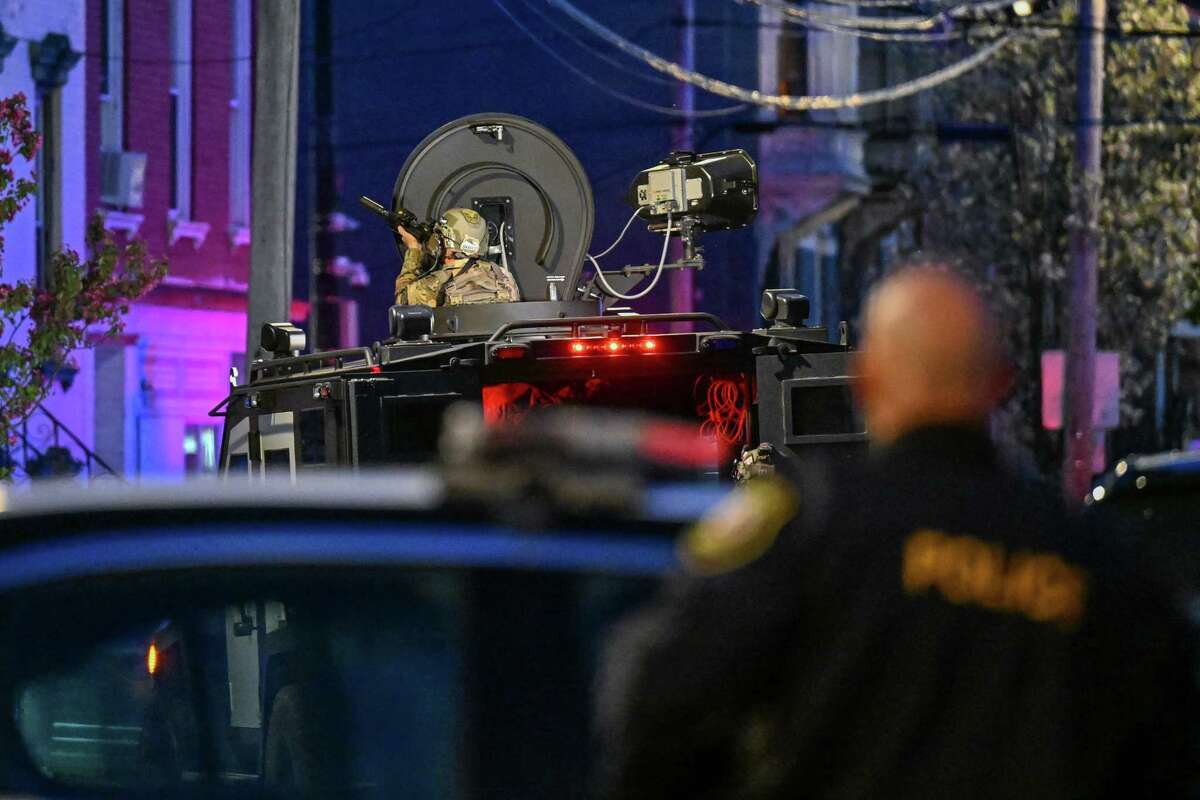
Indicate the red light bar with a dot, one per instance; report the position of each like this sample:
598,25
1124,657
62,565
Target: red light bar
613,345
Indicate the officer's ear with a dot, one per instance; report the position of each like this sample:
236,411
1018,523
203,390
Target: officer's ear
866,380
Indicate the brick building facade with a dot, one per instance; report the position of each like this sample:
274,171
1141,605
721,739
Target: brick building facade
175,99
156,123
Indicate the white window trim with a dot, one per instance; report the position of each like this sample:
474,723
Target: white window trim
181,87
122,221
240,125
181,228
112,104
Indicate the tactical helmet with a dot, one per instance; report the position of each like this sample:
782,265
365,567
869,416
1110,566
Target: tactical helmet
463,232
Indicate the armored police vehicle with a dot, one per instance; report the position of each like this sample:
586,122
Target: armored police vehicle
785,385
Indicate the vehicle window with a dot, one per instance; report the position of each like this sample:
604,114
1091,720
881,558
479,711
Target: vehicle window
437,684
85,725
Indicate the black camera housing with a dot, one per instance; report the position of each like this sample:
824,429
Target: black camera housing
282,339
785,307
410,322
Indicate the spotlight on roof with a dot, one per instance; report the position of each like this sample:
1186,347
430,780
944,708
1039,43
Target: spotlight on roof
282,339
784,307
715,191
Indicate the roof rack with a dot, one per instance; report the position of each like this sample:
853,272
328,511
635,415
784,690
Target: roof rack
639,319
311,364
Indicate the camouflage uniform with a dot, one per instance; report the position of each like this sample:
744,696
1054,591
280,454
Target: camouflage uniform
462,281
465,279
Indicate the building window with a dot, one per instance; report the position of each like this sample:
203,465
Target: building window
240,125
112,75
181,109
199,449
793,64
833,64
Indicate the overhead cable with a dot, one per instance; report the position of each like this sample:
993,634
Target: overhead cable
906,23
637,102
787,102
595,51
794,13
911,37
868,3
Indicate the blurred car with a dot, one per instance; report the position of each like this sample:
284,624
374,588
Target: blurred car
367,636
1157,497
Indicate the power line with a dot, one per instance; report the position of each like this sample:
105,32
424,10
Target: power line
1112,32
972,8
788,102
367,58
373,24
617,94
617,63
932,37
867,3
306,61
905,23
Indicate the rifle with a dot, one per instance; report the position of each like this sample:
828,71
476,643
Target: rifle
400,217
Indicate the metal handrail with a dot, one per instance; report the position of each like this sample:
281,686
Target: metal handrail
216,410
58,428
575,322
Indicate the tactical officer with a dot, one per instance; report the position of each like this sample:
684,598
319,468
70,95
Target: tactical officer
448,270
929,626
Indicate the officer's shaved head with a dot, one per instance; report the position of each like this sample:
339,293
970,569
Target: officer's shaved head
931,355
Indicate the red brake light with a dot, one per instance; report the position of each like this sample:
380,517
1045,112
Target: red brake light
152,659
578,347
649,345
613,346
509,352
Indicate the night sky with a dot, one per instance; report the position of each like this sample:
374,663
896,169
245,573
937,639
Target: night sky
402,69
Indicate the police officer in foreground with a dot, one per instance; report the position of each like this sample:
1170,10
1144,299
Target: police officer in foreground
929,627
449,268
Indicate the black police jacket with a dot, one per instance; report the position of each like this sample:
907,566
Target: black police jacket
938,628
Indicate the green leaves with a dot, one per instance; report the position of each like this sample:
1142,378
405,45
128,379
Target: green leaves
1004,213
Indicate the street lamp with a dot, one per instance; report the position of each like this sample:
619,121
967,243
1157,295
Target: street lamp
50,61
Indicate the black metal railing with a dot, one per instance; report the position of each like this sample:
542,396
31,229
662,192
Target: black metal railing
53,451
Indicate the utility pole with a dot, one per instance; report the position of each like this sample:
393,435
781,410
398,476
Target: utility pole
1080,379
273,171
683,137
324,318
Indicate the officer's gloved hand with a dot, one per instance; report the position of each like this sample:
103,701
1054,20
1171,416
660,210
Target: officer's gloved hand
409,240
